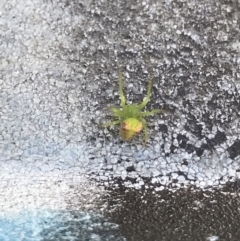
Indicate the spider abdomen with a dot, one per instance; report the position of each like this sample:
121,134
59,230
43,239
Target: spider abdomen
129,128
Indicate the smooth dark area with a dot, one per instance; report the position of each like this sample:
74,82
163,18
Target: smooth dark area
185,215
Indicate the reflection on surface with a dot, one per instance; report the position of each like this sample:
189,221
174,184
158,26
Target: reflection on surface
46,225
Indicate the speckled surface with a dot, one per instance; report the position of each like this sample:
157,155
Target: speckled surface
58,75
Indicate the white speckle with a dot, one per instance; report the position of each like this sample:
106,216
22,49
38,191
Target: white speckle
3,63
155,173
213,238
236,46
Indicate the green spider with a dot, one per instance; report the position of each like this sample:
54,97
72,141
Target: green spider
130,117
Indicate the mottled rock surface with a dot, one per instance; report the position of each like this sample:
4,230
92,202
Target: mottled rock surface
59,64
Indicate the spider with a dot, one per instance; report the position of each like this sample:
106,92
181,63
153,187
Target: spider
130,117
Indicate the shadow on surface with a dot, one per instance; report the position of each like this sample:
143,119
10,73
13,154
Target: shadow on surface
185,215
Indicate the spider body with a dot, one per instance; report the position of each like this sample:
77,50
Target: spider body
129,128
131,117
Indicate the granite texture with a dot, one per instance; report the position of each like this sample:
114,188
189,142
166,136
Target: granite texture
59,64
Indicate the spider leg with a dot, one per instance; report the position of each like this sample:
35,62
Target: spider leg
122,96
152,112
146,100
112,123
144,122
116,112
